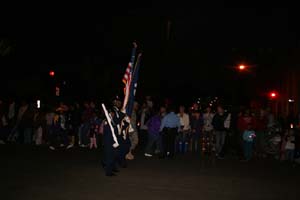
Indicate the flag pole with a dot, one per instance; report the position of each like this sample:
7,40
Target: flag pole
133,52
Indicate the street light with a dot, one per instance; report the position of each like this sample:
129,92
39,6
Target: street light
242,67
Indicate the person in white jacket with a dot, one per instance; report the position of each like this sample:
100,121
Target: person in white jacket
184,130
207,120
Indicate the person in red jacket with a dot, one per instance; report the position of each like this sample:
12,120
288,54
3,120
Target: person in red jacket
244,119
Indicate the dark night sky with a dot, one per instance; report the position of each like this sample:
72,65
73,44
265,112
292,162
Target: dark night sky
91,48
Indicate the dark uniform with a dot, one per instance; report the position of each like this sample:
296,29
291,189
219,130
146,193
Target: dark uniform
110,153
122,137
114,156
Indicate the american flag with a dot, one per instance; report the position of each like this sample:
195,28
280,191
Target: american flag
133,87
127,78
127,81
127,74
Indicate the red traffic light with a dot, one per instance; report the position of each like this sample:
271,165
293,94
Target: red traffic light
51,73
273,95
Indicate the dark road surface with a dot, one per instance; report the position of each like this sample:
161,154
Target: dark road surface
37,173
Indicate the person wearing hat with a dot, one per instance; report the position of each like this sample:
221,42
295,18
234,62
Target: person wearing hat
114,155
110,152
122,123
117,102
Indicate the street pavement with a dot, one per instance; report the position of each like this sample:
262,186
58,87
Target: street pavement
36,173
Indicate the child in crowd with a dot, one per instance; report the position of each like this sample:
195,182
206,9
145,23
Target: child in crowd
248,138
94,131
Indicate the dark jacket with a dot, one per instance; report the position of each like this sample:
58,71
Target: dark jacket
218,122
27,119
197,124
154,125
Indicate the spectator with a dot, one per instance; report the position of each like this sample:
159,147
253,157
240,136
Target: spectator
49,117
149,102
243,121
153,134
94,131
196,126
289,141
74,123
145,114
58,134
220,130
163,111
15,132
26,125
208,140
183,137
195,107
85,125
39,120
170,126
248,138
207,121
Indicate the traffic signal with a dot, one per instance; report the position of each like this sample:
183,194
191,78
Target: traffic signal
273,95
52,73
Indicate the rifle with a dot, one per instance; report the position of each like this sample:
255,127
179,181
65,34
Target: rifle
109,120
